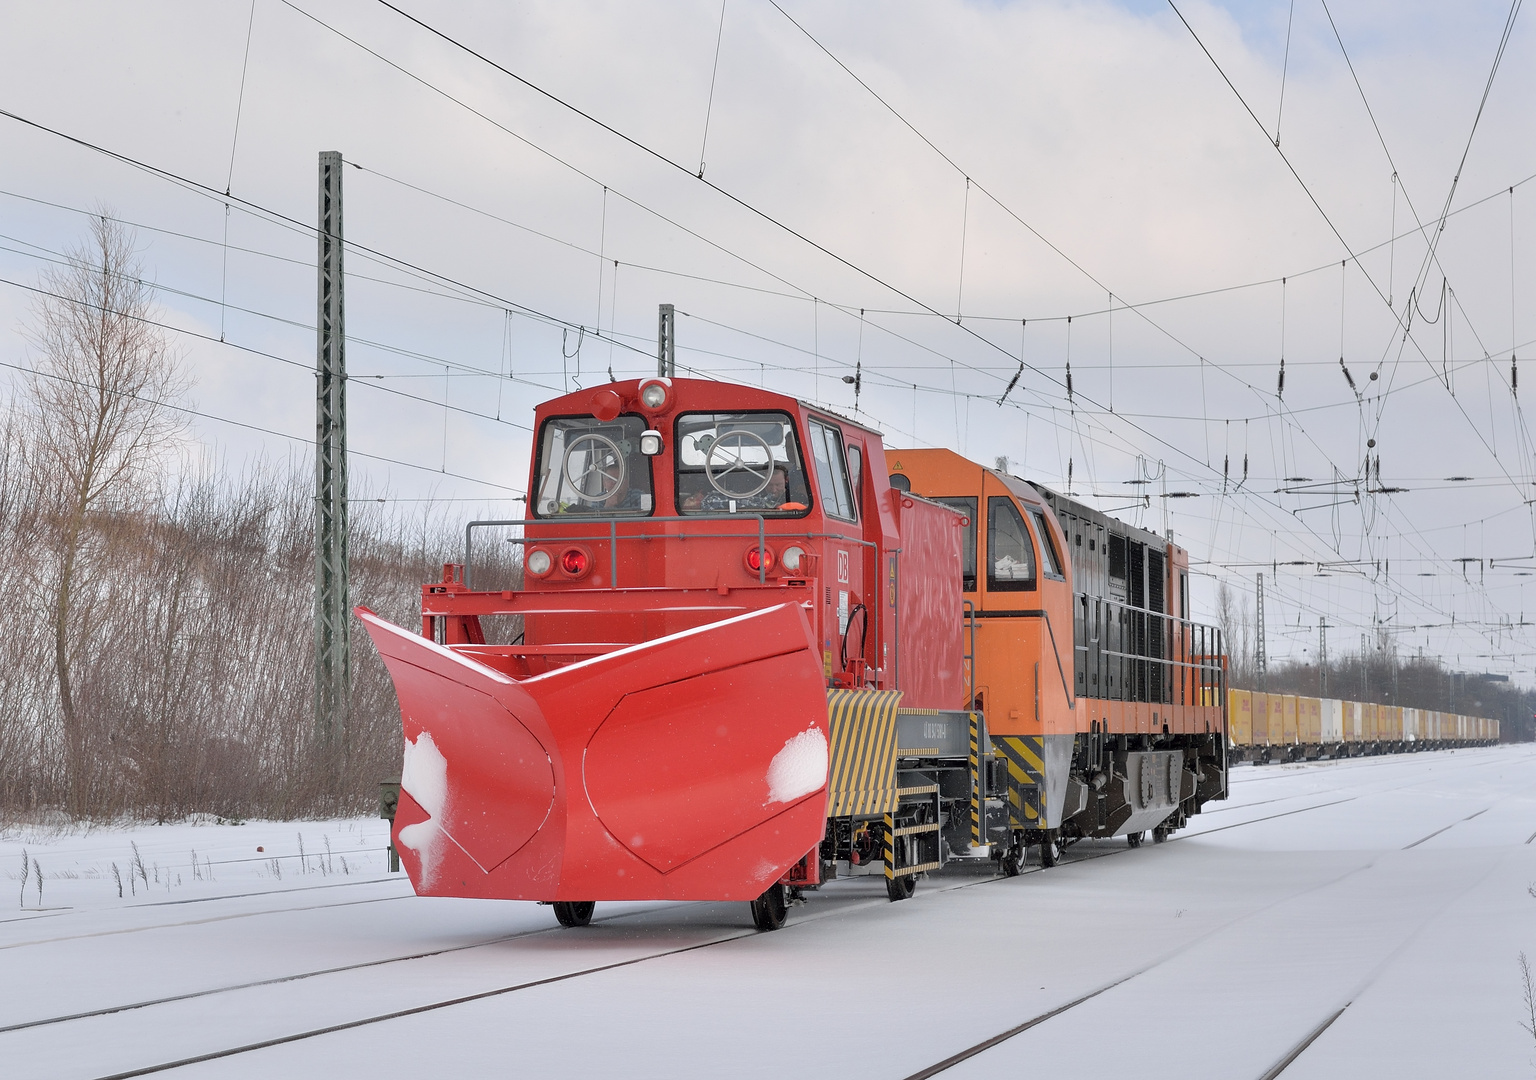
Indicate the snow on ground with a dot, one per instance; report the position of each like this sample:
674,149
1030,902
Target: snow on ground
1398,890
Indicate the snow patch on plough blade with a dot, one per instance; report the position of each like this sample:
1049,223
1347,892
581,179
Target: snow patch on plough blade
691,767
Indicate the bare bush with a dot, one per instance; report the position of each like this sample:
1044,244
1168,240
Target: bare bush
159,658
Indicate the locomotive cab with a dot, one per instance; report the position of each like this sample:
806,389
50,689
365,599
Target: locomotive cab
1105,702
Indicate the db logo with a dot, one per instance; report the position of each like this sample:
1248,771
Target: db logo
842,567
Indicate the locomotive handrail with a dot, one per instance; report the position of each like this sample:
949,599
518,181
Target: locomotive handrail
614,536
1155,639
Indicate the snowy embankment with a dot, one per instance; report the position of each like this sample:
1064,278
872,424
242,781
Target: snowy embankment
1387,898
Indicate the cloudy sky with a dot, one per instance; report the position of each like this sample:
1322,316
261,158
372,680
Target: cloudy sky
934,191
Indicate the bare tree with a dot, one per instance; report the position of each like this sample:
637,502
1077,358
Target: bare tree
97,429
1236,623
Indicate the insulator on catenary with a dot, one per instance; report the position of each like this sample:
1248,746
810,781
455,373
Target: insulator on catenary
1514,376
1245,469
1069,380
1280,389
1012,383
1348,377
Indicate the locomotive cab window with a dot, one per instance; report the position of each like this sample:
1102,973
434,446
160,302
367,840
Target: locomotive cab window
748,462
832,471
966,504
593,467
1048,554
1010,554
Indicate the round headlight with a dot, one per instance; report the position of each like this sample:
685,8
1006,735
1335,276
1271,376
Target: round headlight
650,442
539,562
759,559
653,395
791,559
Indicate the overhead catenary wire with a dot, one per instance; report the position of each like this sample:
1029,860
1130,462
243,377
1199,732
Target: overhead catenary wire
1004,375
305,439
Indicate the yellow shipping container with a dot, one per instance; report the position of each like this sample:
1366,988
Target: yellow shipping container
1289,718
1240,717
1260,719
1309,720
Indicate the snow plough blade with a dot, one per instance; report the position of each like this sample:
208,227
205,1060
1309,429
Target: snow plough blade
691,767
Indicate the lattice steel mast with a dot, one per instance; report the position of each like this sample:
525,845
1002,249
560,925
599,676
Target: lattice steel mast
1260,653
333,666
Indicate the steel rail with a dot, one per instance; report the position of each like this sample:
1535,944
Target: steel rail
211,919
274,981
1307,1040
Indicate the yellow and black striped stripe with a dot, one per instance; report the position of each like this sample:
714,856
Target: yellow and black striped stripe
890,846
976,780
1025,757
863,766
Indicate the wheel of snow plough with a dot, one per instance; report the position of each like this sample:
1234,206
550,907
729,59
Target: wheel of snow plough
901,887
768,910
1013,860
1133,839
574,912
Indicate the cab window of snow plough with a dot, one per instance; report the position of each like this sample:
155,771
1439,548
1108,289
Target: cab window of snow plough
593,467
832,471
1010,555
966,504
747,462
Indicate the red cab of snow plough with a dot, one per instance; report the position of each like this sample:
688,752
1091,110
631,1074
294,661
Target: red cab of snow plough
700,564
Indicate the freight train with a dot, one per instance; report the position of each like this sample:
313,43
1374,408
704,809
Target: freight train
755,649
1288,727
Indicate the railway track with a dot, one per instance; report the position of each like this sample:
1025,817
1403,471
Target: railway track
1282,769
848,909
528,984
1206,814
210,919
1295,1050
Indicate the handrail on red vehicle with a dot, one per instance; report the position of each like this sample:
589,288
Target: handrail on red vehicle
614,537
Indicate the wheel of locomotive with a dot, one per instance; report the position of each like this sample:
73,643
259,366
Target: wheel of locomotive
574,912
770,909
1133,839
901,887
1050,853
727,469
1159,834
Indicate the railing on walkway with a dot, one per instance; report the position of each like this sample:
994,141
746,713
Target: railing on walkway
1126,653
638,529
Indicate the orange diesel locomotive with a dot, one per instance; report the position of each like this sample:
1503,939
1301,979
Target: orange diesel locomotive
749,662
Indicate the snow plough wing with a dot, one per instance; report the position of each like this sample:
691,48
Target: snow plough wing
688,767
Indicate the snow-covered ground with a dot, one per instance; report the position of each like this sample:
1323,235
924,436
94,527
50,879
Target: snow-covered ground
1399,890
